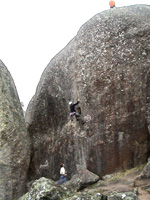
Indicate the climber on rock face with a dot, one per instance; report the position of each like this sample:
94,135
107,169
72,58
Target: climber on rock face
112,4
73,111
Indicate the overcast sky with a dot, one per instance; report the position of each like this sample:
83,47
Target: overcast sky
32,32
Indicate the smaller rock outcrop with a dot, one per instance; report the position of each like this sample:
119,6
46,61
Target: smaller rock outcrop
14,140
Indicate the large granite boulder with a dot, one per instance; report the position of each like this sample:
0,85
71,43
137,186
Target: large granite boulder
106,66
14,140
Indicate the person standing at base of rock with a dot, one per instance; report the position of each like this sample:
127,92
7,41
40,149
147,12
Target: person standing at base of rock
63,174
112,4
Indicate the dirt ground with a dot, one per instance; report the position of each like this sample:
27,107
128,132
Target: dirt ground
126,181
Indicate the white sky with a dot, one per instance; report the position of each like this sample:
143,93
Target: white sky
32,32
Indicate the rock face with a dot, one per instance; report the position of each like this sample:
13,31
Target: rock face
106,66
14,140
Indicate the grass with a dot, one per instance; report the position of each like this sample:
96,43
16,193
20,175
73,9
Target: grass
124,173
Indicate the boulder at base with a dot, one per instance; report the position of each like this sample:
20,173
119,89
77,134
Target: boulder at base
45,189
81,179
14,140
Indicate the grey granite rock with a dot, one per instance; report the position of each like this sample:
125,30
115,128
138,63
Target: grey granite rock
81,179
124,196
14,140
106,66
44,189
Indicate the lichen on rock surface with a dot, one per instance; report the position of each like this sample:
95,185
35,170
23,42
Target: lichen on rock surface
14,140
44,189
106,66
47,189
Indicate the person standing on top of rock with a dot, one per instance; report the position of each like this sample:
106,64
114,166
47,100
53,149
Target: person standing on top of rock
112,4
63,174
73,111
